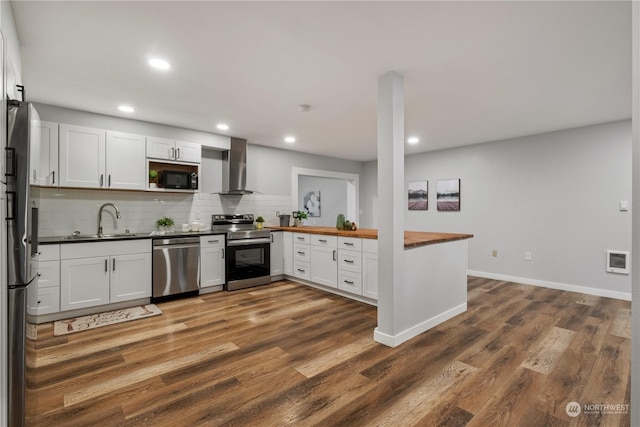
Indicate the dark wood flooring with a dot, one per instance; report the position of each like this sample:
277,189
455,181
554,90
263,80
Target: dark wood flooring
290,355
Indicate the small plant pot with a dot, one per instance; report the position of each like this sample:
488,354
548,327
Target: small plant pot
259,225
298,223
153,185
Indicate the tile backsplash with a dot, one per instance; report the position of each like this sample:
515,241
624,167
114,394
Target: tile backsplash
63,211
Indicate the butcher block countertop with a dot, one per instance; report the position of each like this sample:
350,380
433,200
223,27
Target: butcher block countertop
412,239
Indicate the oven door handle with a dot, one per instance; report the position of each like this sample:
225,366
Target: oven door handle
246,242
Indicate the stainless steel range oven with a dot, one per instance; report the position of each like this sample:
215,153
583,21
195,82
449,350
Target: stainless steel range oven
248,258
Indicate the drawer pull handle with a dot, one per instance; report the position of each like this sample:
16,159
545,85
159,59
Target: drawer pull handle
300,270
348,261
300,253
213,241
348,243
299,238
223,253
348,282
322,240
334,255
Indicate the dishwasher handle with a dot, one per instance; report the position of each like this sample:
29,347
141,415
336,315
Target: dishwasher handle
185,246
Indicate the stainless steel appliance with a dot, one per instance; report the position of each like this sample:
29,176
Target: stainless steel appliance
179,180
248,251
176,263
234,168
22,244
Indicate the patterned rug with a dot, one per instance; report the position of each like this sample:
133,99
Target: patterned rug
84,323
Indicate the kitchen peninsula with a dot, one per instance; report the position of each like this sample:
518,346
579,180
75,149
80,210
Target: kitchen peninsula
434,282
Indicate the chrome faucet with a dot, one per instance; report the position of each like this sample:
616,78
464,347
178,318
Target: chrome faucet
100,216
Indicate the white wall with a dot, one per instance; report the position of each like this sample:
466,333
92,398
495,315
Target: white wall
555,195
333,198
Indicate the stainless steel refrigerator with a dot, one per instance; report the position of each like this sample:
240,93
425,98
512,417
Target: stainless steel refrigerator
22,244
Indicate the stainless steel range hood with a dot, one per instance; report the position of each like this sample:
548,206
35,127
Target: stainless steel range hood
234,168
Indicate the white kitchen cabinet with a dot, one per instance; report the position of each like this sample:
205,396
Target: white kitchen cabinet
350,282
130,277
277,254
44,154
370,268
125,161
93,274
84,282
82,157
44,292
324,266
95,158
212,260
370,275
302,256
169,149
287,251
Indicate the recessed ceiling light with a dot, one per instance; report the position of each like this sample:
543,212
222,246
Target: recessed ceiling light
126,109
413,140
160,64
289,140
222,126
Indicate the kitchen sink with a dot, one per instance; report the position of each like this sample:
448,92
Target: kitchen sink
95,236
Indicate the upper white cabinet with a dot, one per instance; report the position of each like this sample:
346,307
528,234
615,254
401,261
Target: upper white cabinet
44,154
126,164
169,149
82,157
95,158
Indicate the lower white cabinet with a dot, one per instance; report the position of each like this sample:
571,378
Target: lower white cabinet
44,293
324,265
93,274
277,254
212,260
287,252
370,268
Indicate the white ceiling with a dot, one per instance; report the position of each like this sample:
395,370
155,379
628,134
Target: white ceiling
474,71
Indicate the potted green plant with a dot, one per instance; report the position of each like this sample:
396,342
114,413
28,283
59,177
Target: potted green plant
165,224
153,179
259,222
299,216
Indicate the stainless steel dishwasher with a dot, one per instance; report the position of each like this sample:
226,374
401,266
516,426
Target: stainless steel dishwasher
176,262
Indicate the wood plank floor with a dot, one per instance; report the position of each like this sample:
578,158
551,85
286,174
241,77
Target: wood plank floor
287,354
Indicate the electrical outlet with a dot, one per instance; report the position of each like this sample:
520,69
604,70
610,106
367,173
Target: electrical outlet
527,256
494,253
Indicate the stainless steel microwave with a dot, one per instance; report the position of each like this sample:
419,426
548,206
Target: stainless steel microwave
179,180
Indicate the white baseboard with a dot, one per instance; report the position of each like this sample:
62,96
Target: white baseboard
553,285
407,334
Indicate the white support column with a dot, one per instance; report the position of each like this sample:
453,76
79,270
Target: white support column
635,245
391,203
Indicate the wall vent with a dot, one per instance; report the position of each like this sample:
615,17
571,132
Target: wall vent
618,262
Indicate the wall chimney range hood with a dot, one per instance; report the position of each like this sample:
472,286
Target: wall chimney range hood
234,169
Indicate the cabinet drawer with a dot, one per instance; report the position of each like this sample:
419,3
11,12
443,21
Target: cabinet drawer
99,249
216,240
301,238
350,282
301,270
351,243
370,246
301,252
48,274
325,241
48,252
350,261
48,301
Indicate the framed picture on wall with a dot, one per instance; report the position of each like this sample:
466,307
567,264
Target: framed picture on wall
448,195
311,202
418,195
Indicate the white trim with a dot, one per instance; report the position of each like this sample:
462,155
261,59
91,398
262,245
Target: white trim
394,341
335,291
353,188
553,285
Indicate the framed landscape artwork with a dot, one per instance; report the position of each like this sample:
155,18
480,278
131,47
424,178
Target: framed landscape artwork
448,195
418,195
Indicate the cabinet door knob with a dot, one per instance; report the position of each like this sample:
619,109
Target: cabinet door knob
106,265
